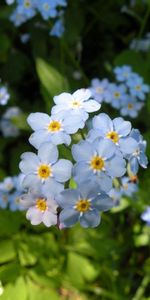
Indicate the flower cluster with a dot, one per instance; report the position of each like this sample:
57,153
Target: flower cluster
127,95
62,192
10,192
27,9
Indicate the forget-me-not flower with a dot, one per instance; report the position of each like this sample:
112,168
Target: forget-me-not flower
45,168
4,96
123,72
137,87
146,215
77,104
100,90
83,205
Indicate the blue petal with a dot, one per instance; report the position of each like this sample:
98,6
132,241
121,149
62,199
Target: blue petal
90,219
62,170
68,198
69,217
48,153
102,202
82,151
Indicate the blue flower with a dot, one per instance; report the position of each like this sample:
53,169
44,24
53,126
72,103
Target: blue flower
123,73
116,130
58,28
4,96
137,87
118,95
98,161
131,107
115,194
55,128
18,18
138,156
26,8
45,168
77,104
14,201
6,125
47,8
128,187
7,184
146,215
4,199
41,206
83,205
100,90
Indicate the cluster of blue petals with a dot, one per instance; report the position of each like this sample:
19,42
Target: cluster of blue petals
127,94
62,191
10,191
48,9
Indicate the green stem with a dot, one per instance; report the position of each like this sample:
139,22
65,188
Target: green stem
144,22
140,291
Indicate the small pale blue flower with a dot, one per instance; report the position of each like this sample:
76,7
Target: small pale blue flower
118,94
83,205
4,96
137,87
123,72
45,168
128,188
76,104
100,90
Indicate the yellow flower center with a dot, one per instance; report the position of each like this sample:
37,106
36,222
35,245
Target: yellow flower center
113,136
97,163
99,90
130,105
17,200
44,171
75,104
83,205
117,94
54,126
138,87
41,204
134,179
46,6
27,4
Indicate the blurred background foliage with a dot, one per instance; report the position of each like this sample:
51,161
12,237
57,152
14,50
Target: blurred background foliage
112,261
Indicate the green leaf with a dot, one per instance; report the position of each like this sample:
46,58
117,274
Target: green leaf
41,293
9,272
7,251
80,269
9,222
17,291
51,79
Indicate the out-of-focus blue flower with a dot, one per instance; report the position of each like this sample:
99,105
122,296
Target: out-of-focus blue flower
26,8
18,18
100,90
116,130
146,215
58,28
55,128
77,104
6,125
83,205
117,95
128,188
7,184
137,87
41,206
25,38
45,168
131,107
138,156
141,44
3,199
4,96
98,161
123,72
9,2
115,194
47,8
14,201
